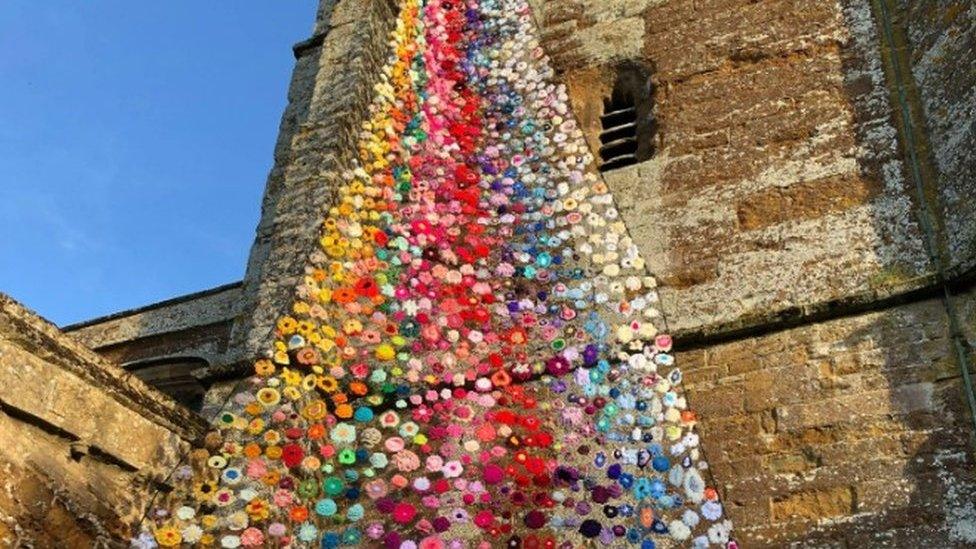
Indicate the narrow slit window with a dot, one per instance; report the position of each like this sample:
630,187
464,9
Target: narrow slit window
627,124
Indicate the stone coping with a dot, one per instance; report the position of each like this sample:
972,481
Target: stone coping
40,338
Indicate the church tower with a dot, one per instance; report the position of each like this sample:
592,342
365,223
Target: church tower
795,175
786,186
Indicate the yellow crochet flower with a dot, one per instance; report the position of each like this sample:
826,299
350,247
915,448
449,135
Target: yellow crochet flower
352,326
258,509
268,396
204,490
255,426
281,357
208,521
324,295
385,352
168,536
272,437
291,377
328,384
292,393
306,328
287,325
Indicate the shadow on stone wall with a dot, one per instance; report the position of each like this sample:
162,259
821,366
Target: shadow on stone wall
891,382
900,409
843,423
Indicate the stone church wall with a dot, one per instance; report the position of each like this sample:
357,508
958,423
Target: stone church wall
940,43
781,218
851,431
84,444
778,164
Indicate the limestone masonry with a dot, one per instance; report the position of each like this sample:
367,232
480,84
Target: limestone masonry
808,211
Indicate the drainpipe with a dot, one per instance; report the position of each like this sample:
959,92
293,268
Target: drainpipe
898,66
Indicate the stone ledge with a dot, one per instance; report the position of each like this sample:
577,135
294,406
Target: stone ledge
26,337
309,44
213,306
769,321
85,444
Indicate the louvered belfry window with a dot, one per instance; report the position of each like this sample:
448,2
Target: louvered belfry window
627,124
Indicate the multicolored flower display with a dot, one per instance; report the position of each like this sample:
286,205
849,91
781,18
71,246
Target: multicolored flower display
472,358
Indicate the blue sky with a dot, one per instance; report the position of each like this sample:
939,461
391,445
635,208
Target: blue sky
135,139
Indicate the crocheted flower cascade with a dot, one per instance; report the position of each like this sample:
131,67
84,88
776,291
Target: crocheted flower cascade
472,358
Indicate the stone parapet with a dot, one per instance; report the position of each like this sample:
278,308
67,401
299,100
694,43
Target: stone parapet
196,325
85,444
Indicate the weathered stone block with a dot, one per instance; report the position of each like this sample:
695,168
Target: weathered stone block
815,504
85,444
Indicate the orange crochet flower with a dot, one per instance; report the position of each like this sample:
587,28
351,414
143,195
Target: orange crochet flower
298,513
343,411
501,378
252,450
343,295
358,388
316,431
271,478
264,368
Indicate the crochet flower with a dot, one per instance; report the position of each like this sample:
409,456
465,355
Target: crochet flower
343,433
403,513
252,537
168,536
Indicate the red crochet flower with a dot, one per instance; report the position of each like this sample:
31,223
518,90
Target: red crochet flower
367,287
292,455
404,513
